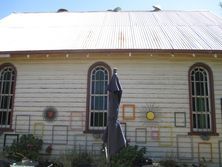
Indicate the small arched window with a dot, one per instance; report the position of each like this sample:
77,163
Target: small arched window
7,94
97,97
202,109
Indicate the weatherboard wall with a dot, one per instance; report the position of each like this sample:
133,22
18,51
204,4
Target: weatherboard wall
158,79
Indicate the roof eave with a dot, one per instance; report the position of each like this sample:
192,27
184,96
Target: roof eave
20,52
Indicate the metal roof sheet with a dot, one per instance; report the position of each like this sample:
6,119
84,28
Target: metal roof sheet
164,30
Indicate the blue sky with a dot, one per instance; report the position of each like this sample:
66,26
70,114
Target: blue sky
9,6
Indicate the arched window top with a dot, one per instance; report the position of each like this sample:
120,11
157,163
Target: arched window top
8,66
100,73
6,69
199,74
201,69
99,66
8,73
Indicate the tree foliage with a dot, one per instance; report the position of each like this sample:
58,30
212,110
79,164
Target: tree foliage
27,146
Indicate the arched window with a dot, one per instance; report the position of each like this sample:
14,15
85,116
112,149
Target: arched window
202,109
97,97
7,94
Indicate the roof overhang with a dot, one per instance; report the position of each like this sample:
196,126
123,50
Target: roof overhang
161,51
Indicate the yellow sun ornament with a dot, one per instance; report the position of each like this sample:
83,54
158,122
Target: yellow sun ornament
150,115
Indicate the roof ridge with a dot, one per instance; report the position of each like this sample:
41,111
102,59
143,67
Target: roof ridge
108,11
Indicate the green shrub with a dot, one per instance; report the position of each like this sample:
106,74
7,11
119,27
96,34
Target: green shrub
82,160
100,160
72,158
168,163
27,146
66,157
131,156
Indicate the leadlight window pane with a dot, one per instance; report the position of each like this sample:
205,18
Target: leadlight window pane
207,104
206,88
6,102
193,88
200,104
201,121
100,75
208,120
194,104
99,88
99,101
194,121
98,119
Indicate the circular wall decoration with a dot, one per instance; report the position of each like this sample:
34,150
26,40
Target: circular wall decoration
50,113
205,136
150,115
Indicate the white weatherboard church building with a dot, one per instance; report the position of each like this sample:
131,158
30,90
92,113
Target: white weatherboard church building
54,69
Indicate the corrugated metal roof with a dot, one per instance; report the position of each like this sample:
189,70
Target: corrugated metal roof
164,30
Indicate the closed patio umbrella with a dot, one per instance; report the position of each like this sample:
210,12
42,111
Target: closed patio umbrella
113,136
